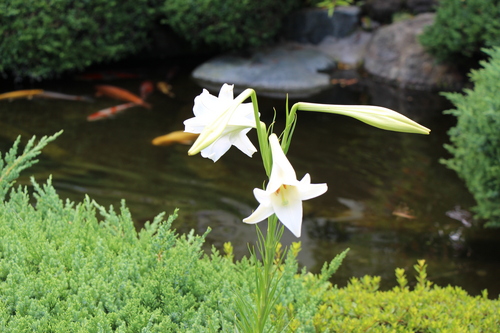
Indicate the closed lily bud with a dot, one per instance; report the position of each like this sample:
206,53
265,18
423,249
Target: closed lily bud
376,116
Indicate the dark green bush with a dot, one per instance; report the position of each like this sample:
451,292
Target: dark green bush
67,267
41,39
462,28
46,37
476,138
223,24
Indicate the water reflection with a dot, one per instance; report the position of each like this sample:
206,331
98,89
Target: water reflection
387,200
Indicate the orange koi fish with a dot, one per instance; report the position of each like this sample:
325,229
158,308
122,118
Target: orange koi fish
21,94
147,87
121,94
109,112
181,137
56,95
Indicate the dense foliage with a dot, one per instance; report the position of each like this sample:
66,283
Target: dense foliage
64,270
67,267
462,28
360,307
227,24
46,38
476,138
43,38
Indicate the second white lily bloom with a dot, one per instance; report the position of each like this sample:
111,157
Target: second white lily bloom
284,193
210,110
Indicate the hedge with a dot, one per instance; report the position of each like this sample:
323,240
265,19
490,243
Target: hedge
475,140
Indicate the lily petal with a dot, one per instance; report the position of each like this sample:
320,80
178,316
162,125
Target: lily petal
288,208
243,143
282,171
261,213
262,197
217,149
226,92
308,191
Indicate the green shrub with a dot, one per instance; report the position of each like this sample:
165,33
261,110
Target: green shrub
462,28
226,24
47,37
476,138
64,269
42,39
67,267
360,307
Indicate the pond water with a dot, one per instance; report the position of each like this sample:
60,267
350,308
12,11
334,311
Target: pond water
388,194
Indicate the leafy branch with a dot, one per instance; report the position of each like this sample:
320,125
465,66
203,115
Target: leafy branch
12,164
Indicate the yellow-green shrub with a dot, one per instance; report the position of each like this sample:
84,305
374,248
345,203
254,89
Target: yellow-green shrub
360,307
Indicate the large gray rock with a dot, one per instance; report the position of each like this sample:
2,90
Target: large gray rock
350,50
395,55
274,72
312,25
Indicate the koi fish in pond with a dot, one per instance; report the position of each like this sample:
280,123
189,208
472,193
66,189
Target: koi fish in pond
165,88
21,94
147,87
181,137
121,94
56,95
29,94
109,112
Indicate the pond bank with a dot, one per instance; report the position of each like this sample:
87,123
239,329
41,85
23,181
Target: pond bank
391,53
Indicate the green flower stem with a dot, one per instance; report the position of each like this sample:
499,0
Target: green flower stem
266,275
290,121
261,132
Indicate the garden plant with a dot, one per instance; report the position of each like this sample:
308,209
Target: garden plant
223,121
461,29
50,38
475,140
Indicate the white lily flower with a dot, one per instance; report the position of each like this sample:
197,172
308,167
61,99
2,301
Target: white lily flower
225,122
284,193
